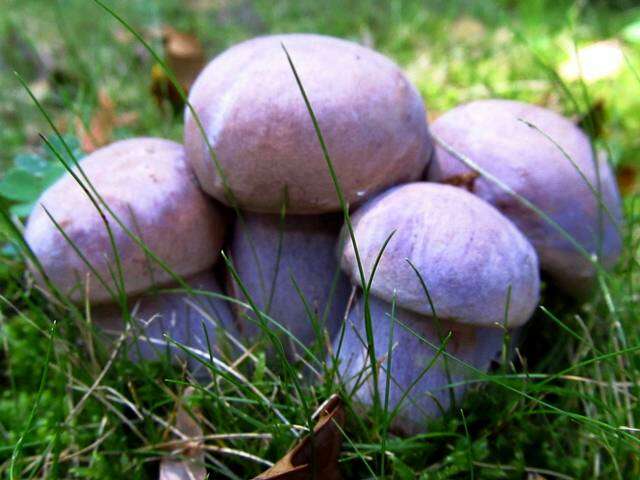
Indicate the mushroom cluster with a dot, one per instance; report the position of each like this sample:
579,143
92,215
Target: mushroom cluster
412,295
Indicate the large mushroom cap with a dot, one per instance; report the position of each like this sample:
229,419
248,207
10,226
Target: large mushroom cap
149,187
255,118
552,165
471,258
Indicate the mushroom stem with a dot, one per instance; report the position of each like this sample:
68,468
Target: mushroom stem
193,321
423,379
289,268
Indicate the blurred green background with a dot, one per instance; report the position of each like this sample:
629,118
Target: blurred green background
454,51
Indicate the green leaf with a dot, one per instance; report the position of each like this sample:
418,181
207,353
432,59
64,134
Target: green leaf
30,162
51,173
9,250
59,147
21,209
20,186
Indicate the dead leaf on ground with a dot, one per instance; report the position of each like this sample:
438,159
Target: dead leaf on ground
186,462
102,123
594,62
184,55
627,177
320,450
464,180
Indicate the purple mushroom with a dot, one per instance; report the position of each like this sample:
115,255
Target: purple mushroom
195,321
150,188
274,258
549,161
255,119
148,185
482,277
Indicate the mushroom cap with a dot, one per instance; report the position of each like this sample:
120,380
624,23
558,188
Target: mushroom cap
467,253
491,133
429,394
179,315
268,252
150,188
255,118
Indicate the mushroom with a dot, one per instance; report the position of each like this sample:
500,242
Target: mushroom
255,119
274,257
482,277
192,319
149,187
549,161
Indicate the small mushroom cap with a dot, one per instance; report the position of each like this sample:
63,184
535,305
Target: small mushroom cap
468,255
491,133
420,396
149,187
268,252
181,316
254,116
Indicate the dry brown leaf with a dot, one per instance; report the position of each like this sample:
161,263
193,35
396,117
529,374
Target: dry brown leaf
187,461
181,470
627,176
102,123
463,180
184,55
320,449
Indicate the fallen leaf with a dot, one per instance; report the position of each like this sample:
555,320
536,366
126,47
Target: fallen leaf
463,180
627,176
594,62
102,123
184,56
318,451
181,470
187,461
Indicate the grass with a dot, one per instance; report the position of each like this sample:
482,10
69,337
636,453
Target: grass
567,406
